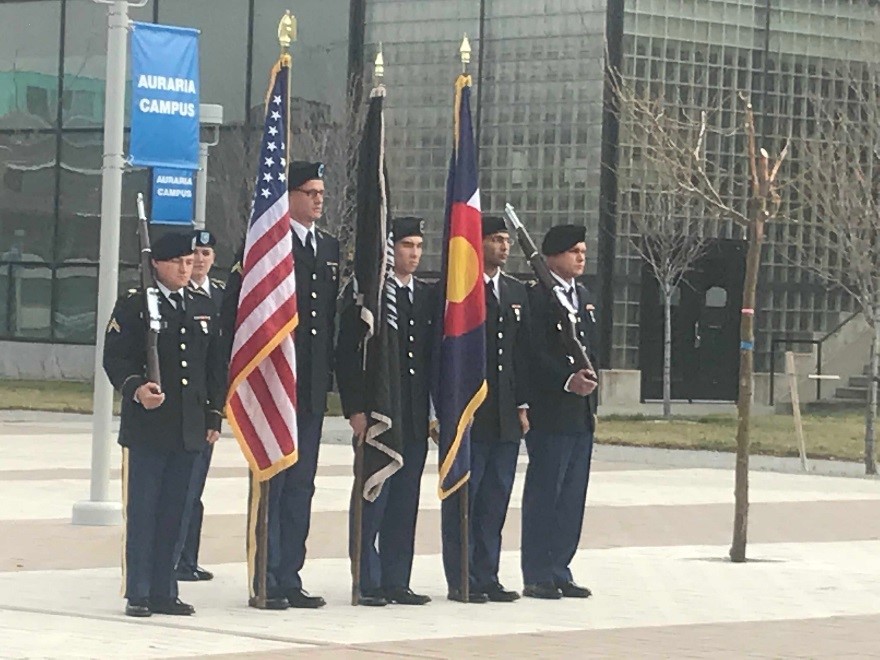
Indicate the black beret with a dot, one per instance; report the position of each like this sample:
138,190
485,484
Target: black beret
408,226
204,238
492,224
562,238
172,245
301,171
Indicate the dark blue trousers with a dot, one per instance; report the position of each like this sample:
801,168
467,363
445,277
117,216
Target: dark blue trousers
493,469
554,496
156,486
389,525
187,550
290,510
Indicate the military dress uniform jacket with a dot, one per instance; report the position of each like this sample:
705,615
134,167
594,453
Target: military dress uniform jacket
415,340
317,286
551,408
192,368
508,337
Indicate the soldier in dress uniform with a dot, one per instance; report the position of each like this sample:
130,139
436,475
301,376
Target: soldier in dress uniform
316,257
187,551
499,425
562,415
163,429
389,522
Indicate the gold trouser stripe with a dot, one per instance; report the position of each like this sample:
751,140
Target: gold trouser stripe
124,512
252,518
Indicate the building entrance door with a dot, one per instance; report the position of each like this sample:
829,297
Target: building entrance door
705,328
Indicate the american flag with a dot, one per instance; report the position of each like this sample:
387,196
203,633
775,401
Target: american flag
261,404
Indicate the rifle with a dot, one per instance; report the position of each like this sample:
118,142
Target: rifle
567,319
151,296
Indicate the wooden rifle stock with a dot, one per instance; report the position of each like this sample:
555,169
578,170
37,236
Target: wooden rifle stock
151,296
567,317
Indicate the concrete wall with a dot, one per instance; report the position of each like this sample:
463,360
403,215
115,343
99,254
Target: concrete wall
46,361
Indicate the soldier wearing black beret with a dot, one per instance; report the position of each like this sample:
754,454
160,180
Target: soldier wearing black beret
187,551
316,264
499,425
561,412
163,429
389,522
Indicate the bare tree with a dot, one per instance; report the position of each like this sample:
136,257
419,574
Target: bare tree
676,141
841,189
670,241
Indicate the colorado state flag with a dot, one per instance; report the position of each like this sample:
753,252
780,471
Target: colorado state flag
460,377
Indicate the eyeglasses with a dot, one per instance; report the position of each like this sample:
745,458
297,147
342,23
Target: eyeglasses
313,193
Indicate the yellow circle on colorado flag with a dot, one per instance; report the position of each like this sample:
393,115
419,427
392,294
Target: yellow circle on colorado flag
464,269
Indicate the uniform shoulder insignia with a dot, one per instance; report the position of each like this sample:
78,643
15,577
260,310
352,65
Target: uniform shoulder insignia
220,284
324,234
199,291
131,292
236,268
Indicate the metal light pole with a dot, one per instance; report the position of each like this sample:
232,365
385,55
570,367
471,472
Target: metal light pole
100,509
210,115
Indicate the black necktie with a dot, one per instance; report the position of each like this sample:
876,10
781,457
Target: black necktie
177,299
570,293
403,300
310,243
491,299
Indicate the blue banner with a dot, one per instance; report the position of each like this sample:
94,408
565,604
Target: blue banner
164,96
173,193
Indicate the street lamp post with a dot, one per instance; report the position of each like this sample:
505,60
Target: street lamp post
100,509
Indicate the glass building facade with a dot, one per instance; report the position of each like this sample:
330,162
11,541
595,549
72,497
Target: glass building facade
52,69
547,143
787,55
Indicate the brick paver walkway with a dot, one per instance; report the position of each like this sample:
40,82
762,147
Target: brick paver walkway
653,550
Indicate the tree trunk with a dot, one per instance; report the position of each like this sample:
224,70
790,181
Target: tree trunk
744,402
871,412
667,352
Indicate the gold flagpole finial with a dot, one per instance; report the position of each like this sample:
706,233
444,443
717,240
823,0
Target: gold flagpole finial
465,52
379,65
286,31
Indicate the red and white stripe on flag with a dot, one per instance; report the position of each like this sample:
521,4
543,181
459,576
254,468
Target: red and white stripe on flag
261,403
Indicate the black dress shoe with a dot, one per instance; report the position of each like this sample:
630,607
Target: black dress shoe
172,606
138,608
372,599
184,575
301,598
203,575
543,590
474,596
405,596
572,590
498,594
276,603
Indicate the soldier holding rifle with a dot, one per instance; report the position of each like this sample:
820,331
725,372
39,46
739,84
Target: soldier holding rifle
562,412
172,380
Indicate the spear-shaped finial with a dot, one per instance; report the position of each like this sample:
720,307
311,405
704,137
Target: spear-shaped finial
379,65
465,52
286,31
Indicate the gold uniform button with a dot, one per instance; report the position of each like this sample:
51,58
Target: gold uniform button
410,354
412,372
500,335
183,363
184,382
182,331
183,347
412,322
314,313
314,331
314,294
411,338
314,276
500,351
500,367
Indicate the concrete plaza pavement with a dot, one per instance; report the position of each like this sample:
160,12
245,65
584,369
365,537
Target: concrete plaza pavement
653,550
